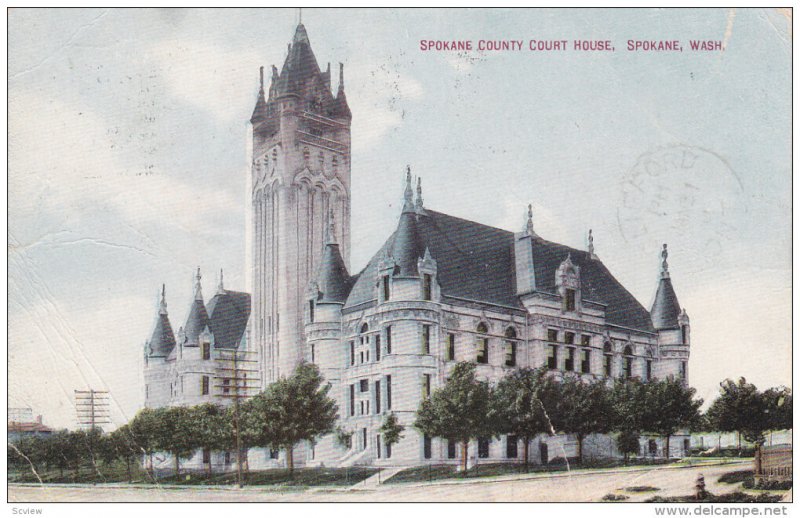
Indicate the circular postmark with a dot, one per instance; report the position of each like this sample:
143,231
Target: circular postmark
683,193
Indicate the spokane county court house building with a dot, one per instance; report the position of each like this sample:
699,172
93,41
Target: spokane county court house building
440,290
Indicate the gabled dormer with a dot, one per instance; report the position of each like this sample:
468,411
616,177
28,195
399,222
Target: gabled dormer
568,285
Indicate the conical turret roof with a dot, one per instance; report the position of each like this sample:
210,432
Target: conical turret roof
666,309
162,340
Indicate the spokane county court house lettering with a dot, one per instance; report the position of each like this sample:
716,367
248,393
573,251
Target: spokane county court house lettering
440,290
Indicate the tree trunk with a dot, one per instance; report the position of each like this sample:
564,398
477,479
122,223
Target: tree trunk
128,469
580,448
739,442
667,452
290,459
526,451
758,459
464,449
209,467
177,466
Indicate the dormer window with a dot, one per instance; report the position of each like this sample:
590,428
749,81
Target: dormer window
482,355
206,350
569,300
628,362
427,290
386,287
311,311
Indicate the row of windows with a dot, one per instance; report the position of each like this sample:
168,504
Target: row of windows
363,386
427,287
483,447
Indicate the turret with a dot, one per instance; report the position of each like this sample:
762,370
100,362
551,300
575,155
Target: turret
666,309
197,321
162,341
672,325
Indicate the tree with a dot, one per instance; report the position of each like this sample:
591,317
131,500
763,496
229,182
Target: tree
392,431
121,444
177,433
521,405
628,443
583,409
212,428
459,410
295,409
60,452
670,406
146,430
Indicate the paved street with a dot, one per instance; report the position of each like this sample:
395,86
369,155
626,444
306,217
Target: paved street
556,488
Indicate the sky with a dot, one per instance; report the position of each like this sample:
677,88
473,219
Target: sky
128,165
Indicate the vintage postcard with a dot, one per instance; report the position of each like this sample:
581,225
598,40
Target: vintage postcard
400,255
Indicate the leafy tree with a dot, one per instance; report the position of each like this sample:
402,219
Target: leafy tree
583,409
295,409
459,410
670,406
392,430
212,428
628,443
146,430
177,433
522,399
60,451
344,437
121,444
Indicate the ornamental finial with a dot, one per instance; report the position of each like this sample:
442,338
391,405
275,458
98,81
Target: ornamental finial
664,265
221,286
198,292
419,193
591,245
162,305
409,194
529,224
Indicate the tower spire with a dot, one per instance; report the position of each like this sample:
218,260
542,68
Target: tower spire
529,224
261,78
408,195
331,237
419,194
221,286
198,292
162,305
664,265
341,76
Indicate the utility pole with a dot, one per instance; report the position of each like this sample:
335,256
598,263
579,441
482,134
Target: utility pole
236,366
92,408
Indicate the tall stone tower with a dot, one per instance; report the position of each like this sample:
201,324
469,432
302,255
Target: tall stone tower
300,174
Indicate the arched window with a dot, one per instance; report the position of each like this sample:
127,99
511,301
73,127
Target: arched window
607,358
364,339
511,347
628,361
482,355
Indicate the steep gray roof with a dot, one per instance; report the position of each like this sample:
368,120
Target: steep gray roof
476,262
228,314
332,279
163,339
196,322
666,309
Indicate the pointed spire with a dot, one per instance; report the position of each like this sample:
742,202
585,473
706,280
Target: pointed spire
341,76
260,111
261,78
198,292
221,285
664,265
591,245
666,310
162,305
529,223
408,195
419,194
330,238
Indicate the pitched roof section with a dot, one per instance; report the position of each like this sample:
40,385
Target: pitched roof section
333,279
666,308
476,262
228,314
163,339
407,245
196,322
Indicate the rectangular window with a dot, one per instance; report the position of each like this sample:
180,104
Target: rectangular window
552,335
352,353
386,287
451,347
204,385
586,364
569,361
388,339
427,291
227,457
388,451
352,400
569,338
426,339
311,311
511,447
312,354
551,357
226,385
378,397
483,350
427,446
684,334
586,340
607,365
569,300
364,385
274,454
451,449
426,386
363,438
483,448
683,370
388,392
648,370
378,445
628,367
206,350
511,354
361,357
378,347
360,408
